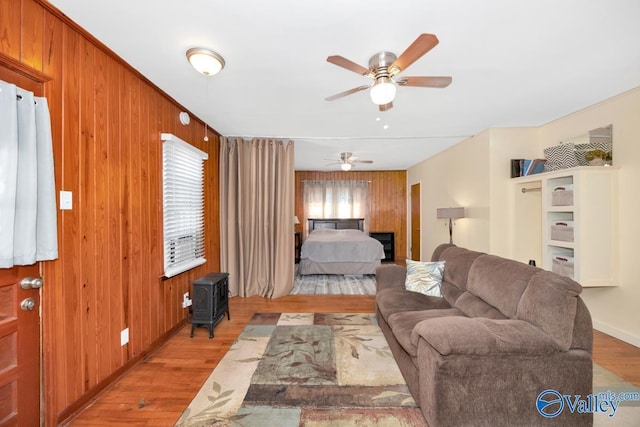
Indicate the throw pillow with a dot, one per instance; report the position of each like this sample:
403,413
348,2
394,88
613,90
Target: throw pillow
424,277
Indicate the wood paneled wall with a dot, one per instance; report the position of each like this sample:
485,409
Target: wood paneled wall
106,124
387,204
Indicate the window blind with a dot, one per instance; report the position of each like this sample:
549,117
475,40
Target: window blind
183,205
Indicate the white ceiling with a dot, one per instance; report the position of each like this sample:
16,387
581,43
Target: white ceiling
513,63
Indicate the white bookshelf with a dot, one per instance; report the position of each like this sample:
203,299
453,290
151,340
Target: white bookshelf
593,215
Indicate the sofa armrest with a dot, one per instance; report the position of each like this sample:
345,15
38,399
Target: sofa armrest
390,276
483,337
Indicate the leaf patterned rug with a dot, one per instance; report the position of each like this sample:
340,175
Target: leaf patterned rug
292,369
295,369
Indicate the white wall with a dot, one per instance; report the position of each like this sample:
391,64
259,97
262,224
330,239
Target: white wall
458,176
475,174
615,311
507,144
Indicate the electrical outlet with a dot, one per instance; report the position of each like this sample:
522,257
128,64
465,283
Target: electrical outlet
124,336
186,302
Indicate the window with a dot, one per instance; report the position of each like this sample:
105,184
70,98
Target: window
336,199
183,205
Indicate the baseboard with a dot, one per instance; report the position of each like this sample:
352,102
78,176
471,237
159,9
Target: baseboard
617,333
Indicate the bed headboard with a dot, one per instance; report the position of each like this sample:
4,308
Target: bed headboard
336,224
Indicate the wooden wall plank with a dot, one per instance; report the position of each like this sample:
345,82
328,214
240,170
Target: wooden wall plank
32,39
86,203
146,137
135,235
155,217
10,27
53,297
125,240
387,204
72,259
115,214
101,214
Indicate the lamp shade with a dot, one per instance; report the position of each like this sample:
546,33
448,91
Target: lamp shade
452,213
296,220
205,61
383,91
345,166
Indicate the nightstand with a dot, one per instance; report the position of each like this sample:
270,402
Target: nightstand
387,238
298,245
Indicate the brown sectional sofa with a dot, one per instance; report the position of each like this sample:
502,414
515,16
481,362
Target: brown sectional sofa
502,333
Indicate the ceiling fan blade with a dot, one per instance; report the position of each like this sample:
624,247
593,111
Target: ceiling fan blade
385,107
363,161
347,92
343,62
440,81
423,44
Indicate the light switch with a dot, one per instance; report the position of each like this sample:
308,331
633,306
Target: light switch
66,200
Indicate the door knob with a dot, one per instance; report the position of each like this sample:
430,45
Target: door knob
31,282
27,304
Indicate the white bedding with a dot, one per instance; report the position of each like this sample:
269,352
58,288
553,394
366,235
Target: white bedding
327,245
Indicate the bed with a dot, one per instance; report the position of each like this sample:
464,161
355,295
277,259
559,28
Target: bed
339,246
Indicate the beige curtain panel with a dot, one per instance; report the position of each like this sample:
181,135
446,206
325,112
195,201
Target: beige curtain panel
256,216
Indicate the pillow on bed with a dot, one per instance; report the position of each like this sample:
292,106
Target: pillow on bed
424,277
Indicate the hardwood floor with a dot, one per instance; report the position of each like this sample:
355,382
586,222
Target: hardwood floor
156,390
617,356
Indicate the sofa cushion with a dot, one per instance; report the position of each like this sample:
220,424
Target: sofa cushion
393,300
390,276
483,337
550,302
450,292
402,324
499,282
437,252
457,271
424,277
472,306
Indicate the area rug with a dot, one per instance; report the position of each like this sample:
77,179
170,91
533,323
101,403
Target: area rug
334,284
294,369
628,414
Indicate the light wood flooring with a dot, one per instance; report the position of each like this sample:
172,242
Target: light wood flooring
156,390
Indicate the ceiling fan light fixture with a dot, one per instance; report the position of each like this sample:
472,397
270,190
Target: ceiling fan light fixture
345,167
383,91
205,61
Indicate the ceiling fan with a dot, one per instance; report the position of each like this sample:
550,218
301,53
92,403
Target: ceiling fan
347,161
384,66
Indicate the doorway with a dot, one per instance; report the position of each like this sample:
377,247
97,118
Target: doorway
416,239
20,331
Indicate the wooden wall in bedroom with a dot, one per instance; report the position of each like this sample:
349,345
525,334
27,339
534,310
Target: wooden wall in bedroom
106,124
388,204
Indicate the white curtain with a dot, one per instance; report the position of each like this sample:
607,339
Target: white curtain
28,226
336,199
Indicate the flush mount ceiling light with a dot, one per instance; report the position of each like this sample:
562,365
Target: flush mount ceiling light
205,61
